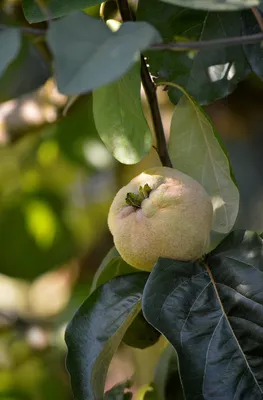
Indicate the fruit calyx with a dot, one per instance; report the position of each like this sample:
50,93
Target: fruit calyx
135,200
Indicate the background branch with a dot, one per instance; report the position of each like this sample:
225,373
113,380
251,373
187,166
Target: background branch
258,17
205,44
177,46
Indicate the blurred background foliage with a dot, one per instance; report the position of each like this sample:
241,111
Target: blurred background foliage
56,183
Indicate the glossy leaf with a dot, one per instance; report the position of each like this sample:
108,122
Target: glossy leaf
87,54
56,8
207,75
120,120
213,316
9,47
96,331
195,150
222,5
112,266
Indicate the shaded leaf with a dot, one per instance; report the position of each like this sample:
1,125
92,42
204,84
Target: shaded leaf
221,5
112,266
34,236
56,8
207,75
76,132
87,54
167,380
120,120
214,318
96,331
254,52
195,150
140,334
26,73
9,47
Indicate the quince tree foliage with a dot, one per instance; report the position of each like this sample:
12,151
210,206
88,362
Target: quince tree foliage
165,280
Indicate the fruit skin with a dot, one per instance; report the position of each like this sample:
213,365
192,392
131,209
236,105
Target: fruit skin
173,222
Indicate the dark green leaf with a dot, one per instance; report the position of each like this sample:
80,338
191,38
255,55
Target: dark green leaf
112,265
96,331
9,47
214,318
140,334
120,120
56,8
222,5
254,52
118,392
208,74
88,54
196,151
33,236
25,74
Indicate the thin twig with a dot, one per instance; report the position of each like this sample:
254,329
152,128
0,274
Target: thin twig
258,17
150,91
205,44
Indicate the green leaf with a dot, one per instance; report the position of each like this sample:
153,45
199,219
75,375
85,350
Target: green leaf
56,8
87,54
26,73
140,334
195,150
34,237
213,316
119,118
76,132
9,47
96,331
221,5
207,75
112,266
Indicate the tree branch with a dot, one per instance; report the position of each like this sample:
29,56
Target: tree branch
205,44
150,91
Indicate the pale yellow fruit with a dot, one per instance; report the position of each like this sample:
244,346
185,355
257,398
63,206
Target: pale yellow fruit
173,222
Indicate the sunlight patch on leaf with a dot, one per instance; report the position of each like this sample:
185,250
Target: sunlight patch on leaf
221,71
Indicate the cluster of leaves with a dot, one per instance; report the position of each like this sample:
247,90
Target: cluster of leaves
211,310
